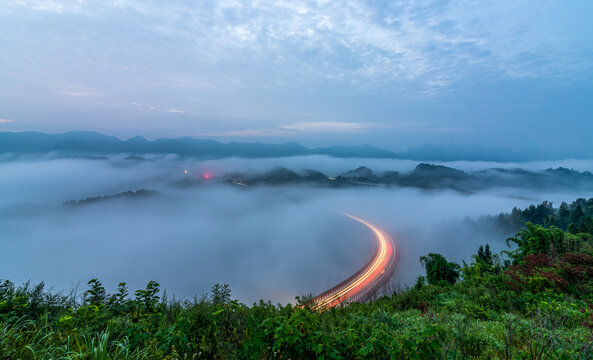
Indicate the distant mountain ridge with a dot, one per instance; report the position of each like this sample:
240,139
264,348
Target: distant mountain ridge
82,142
87,143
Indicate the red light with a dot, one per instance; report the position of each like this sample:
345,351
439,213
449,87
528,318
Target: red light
207,176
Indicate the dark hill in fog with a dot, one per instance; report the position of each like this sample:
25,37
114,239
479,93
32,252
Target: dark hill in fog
425,176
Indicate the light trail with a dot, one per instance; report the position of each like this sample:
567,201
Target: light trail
360,286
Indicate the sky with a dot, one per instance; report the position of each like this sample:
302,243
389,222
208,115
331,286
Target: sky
394,74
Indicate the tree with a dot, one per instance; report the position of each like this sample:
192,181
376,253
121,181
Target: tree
485,255
148,297
577,214
539,239
516,218
221,294
586,225
439,269
563,215
95,295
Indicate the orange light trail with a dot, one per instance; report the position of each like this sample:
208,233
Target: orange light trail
362,284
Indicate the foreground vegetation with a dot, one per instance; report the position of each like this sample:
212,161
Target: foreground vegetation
534,302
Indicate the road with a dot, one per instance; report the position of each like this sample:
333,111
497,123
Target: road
364,283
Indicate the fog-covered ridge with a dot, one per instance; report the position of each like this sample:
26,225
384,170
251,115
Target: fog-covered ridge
427,176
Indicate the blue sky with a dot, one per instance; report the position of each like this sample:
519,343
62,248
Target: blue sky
395,74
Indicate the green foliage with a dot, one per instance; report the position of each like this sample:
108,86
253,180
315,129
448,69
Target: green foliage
575,218
539,307
96,294
221,294
539,239
148,298
426,322
420,282
438,269
485,255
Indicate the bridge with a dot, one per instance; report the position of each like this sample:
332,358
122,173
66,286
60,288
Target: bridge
366,281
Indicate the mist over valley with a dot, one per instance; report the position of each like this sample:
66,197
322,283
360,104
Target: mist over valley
266,227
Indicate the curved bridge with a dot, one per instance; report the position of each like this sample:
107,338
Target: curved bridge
364,283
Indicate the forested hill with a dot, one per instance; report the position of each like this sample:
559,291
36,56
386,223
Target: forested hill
534,301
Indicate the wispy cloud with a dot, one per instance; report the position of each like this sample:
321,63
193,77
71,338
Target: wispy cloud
301,129
248,133
4,122
56,6
81,93
426,46
328,127
297,129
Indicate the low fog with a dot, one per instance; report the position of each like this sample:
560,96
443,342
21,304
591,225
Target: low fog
267,242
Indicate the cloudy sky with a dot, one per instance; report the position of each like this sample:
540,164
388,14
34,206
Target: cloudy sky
395,74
